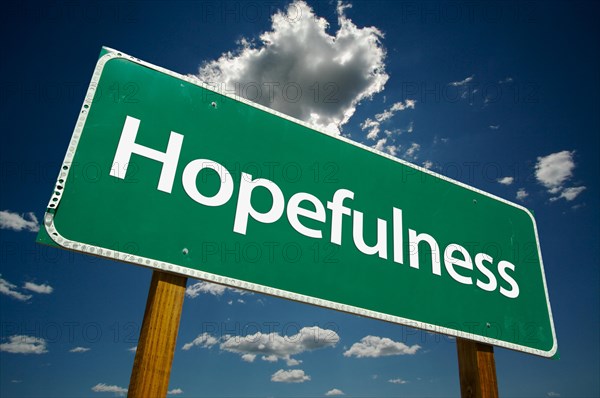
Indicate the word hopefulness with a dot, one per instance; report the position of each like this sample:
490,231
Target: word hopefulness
296,207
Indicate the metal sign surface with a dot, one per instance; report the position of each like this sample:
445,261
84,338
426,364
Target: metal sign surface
169,174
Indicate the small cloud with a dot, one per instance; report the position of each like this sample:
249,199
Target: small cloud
411,152
41,289
204,340
506,180
10,290
17,222
397,381
132,349
79,349
554,170
375,347
21,344
428,164
289,376
507,79
372,126
334,393
248,357
522,194
462,82
569,193
101,387
380,146
494,126
175,391
553,394
16,381
213,289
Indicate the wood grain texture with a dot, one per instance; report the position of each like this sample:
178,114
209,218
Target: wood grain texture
156,346
477,369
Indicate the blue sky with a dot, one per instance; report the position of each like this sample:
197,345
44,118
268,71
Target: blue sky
500,95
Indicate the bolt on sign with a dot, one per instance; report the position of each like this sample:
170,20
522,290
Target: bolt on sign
164,172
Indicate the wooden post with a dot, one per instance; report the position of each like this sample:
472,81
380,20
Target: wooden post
477,369
156,346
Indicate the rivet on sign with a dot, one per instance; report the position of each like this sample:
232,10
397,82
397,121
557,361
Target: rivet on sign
185,251
488,325
474,201
213,104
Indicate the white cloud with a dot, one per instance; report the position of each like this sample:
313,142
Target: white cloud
380,146
9,290
196,289
21,344
79,349
334,393
17,222
391,111
508,79
175,391
506,180
204,340
271,347
132,349
553,394
522,194
554,170
569,193
101,387
373,127
411,152
41,289
462,82
428,164
199,288
299,69
375,347
494,126
397,381
290,376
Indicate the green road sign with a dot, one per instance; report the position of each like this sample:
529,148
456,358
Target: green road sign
164,172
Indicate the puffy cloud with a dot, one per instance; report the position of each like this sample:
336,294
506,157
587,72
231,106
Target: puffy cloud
270,347
79,349
17,222
9,290
290,376
21,344
175,391
334,393
374,347
506,180
397,381
41,289
273,347
494,126
372,126
101,387
554,170
204,340
428,164
299,69
391,111
522,194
